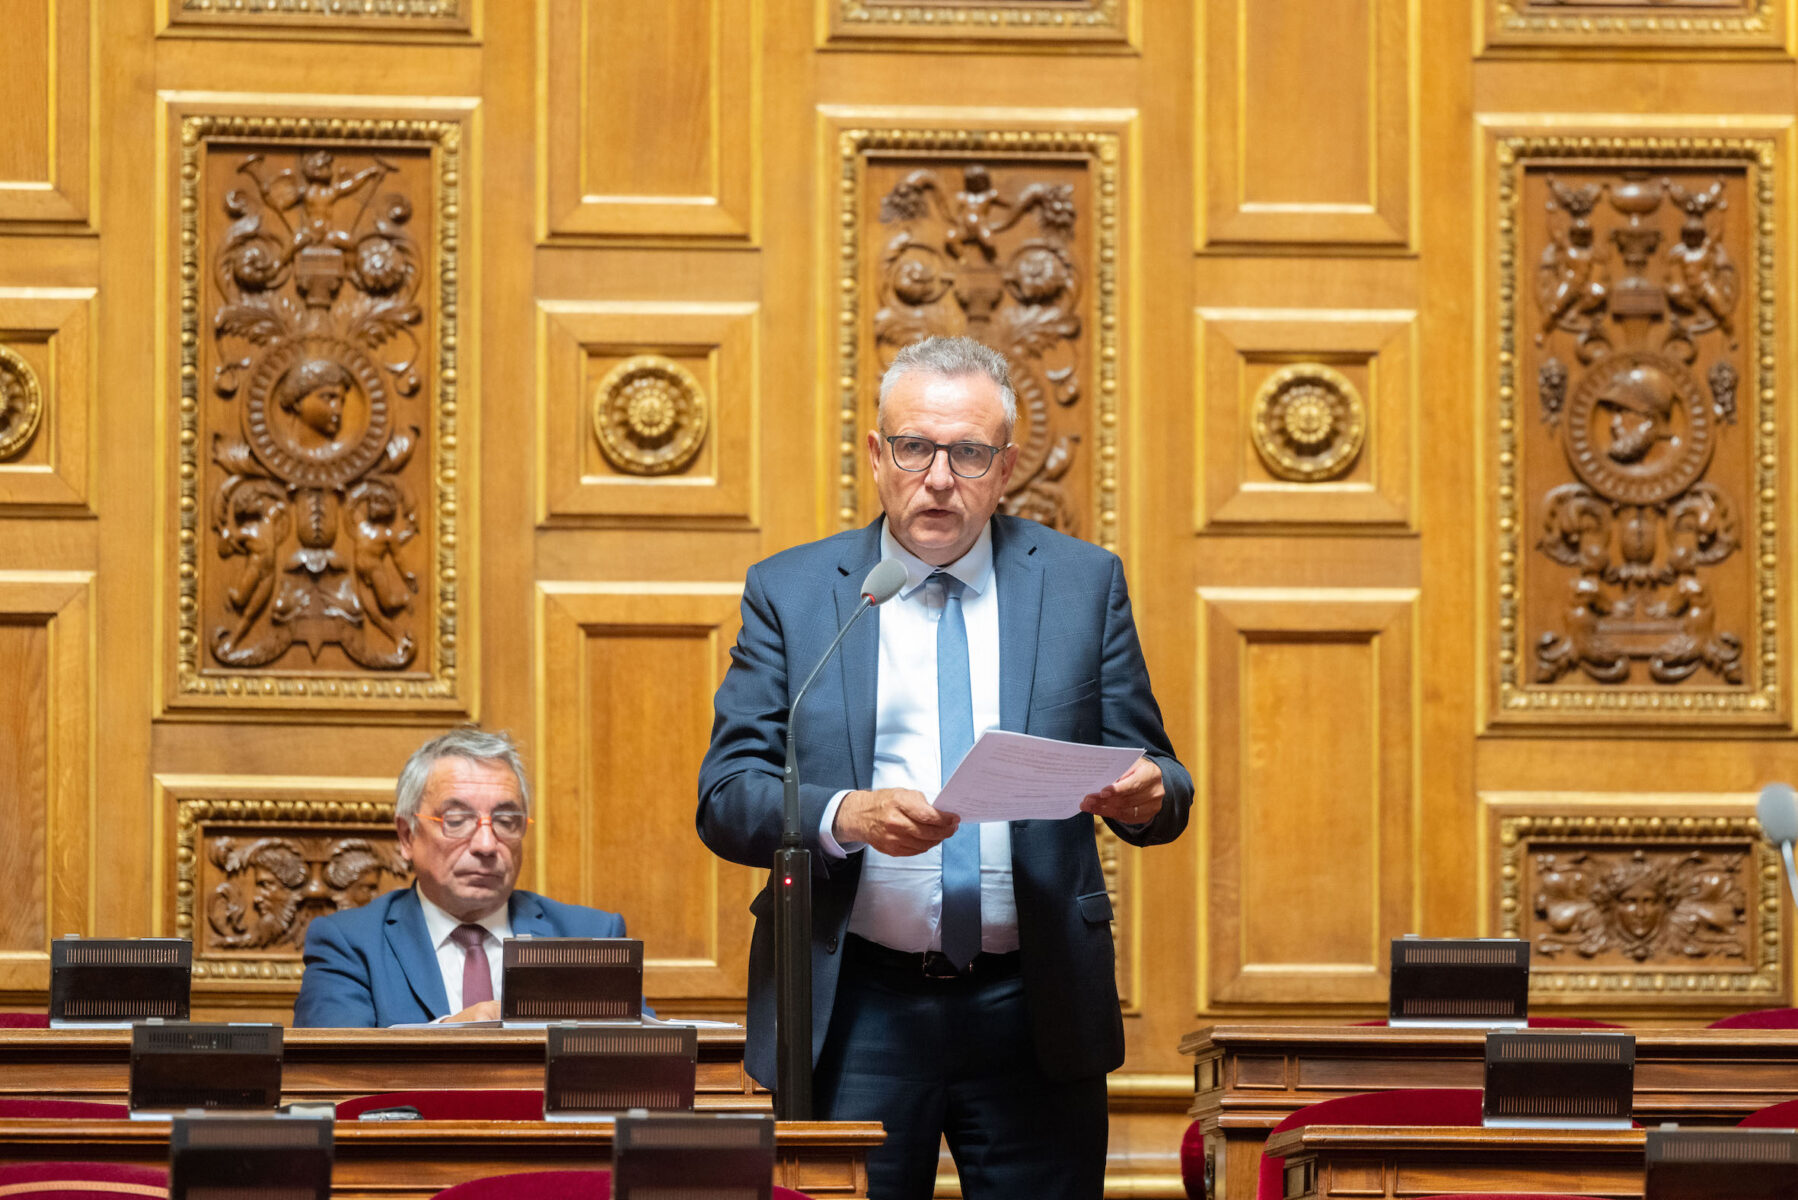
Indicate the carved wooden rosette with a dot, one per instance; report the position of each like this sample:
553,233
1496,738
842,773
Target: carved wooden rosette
1010,237
1645,24
318,456
1637,492
251,875
1634,908
21,404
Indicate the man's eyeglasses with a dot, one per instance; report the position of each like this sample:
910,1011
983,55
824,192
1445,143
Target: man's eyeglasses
459,826
970,460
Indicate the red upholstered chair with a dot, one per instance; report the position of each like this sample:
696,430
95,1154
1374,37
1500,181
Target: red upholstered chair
454,1104
81,1181
61,1110
1549,1023
1783,1115
1192,1162
1761,1018
1506,1196
18,1020
553,1185
1398,1106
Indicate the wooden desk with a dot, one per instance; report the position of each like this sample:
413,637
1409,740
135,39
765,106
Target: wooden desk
1370,1162
335,1064
1250,1077
410,1160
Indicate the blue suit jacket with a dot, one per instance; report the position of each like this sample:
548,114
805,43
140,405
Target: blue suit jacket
374,966
1070,667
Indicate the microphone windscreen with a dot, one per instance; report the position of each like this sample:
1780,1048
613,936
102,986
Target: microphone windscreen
884,581
1778,813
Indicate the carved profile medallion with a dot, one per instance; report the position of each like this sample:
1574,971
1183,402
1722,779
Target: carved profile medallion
21,404
649,416
1308,423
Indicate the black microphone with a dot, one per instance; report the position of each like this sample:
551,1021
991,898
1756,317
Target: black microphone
1778,812
792,885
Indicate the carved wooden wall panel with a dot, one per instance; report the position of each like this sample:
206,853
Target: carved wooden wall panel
300,17
1669,901
318,441
1008,236
1320,407
247,863
46,790
1637,24
649,118
628,674
649,410
46,400
1308,760
1099,23
1297,154
1637,486
46,157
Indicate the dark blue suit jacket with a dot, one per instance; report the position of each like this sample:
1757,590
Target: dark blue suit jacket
1070,667
373,966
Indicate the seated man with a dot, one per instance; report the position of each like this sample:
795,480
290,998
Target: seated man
423,953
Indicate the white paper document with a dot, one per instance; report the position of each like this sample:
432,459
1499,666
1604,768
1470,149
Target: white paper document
1017,777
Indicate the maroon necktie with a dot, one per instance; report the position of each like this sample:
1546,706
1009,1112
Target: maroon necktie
477,980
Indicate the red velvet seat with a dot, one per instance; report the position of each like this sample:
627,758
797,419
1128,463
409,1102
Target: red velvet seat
81,1181
454,1104
1783,1115
62,1110
23,1020
553,1185
1398,1106
1192,1162
1505,1196
1760,1018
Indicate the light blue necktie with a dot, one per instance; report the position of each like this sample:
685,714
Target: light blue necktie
955,731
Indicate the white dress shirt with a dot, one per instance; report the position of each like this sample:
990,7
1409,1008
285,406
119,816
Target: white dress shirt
439,925
899,902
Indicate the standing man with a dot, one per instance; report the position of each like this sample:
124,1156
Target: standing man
962,977
432,951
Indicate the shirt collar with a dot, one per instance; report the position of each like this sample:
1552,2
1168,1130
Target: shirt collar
974,569
439,924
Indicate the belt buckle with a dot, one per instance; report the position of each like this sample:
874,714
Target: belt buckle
936,965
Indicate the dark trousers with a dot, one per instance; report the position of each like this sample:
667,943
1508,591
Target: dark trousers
932,1059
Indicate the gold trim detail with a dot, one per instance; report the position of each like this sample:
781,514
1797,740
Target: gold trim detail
1515,697
424,10
1103,150
1515,834
244,688
278,816
649,416
1308,423
21,404
1591,26
980,19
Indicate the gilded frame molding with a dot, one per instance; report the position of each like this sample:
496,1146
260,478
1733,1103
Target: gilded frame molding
248,690
1103,148
1511,24
1760,987
192,814
336,17
1524,703
929,25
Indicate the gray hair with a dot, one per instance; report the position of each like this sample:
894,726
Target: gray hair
465,741
950,357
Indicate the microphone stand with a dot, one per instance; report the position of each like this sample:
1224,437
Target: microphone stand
793,926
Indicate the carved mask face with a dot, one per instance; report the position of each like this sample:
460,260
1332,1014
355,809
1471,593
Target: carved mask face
321,409
473,876
1640,909
934,513
1633,435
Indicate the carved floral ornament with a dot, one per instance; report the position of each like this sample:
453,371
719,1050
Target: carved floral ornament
318,414
1308,423
21,404
1654,906
649,416
1648,569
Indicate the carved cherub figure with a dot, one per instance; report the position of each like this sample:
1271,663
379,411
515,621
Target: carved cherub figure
381,528
1701,281
315,189
1572,284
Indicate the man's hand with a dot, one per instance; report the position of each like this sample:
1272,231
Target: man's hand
895,821
1134,798
486,1010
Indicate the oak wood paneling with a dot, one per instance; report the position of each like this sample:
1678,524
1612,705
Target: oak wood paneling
46,797
46,163
628,673
45,350
1310,773
648,118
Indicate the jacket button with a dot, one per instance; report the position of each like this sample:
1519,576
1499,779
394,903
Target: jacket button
831,945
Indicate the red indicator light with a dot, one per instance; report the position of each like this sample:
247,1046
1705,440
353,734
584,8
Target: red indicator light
789,881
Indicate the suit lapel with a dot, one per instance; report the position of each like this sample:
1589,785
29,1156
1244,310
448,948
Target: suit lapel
1020,618
410,942
858,659
525,911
